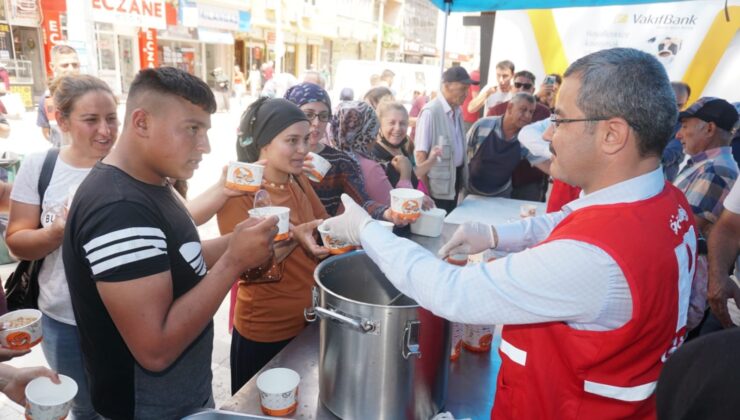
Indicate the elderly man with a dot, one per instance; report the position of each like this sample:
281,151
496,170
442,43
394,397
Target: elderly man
64,61
494,150
528,182
706,180
711,171
440,124
590,313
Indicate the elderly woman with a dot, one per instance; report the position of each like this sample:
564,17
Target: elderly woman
392,144
355,128
345,175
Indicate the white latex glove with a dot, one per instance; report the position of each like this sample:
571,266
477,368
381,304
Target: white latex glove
470,238
347,226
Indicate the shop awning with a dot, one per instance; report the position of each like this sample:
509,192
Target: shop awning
493,5
215,37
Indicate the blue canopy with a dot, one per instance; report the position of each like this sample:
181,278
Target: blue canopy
493,5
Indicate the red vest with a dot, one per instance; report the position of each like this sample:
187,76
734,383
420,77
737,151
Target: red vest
552,371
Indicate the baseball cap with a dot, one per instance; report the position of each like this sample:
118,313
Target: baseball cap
710,109
457,74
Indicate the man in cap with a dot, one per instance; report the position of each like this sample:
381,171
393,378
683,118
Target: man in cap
590,312
706,180
440,124
711,171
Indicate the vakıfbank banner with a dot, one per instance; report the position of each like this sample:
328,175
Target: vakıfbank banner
692,39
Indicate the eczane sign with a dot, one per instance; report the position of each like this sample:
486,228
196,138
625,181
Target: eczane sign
140,13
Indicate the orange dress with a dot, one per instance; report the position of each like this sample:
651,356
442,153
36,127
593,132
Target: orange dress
270,312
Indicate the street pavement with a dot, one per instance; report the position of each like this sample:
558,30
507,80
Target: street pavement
26,138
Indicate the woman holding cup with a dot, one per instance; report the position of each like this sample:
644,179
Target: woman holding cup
85,109
355,129
271,299
344,175
392,145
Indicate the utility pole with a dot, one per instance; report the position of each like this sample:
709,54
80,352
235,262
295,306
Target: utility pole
379,44
486,22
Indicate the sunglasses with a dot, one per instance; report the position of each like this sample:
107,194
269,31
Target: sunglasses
523,85
323,116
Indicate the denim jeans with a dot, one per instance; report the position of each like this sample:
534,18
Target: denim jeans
61,345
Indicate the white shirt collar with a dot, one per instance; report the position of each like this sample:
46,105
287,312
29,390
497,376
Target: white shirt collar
635,189
445,106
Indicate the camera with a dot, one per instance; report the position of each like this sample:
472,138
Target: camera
550,80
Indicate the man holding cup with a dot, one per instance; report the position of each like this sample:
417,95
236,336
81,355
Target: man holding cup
143,286
590,314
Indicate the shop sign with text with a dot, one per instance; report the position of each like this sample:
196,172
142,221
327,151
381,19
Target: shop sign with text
148,48
142,13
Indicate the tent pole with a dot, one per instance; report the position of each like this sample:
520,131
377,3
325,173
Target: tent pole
448,4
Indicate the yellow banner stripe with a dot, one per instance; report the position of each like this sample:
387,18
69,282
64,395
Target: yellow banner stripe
548,41
711,50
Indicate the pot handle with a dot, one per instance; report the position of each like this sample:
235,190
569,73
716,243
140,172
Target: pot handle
364,325
310,313
410,345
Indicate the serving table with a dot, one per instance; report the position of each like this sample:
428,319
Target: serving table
472,378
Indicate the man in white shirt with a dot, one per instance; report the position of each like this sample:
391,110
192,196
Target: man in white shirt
579,279
494,94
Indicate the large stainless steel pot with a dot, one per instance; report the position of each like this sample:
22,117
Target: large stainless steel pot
382,356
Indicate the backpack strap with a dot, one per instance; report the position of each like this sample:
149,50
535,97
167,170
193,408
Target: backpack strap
46,171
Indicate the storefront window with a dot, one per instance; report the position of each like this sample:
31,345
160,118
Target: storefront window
106,45
6,44
180,55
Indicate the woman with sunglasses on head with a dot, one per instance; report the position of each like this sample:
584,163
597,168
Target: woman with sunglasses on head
345,175
85,109
271,299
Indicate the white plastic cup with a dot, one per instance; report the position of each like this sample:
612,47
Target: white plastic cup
244,176
386,224
46,400
478,338
25,335
527,210
406,203
335,246
458,259
278,391
429,223
283,215
320,167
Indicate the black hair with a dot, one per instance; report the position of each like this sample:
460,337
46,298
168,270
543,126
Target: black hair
173,81
525,73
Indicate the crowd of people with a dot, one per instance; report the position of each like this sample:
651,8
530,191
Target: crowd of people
128,290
